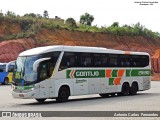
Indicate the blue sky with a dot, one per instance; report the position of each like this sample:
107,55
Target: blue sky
105,12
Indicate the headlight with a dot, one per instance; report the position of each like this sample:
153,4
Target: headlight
32,89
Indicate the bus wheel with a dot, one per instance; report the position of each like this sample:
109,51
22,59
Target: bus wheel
104,95
125,89
41,100
6,81
63,95
133,89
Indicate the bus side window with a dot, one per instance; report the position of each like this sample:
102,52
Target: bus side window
113,62
43,71
97,60
46,69
68,60
2,68
144,61
104,61
11,68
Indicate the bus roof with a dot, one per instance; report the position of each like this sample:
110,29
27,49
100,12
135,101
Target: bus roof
7,63
46,49
3,63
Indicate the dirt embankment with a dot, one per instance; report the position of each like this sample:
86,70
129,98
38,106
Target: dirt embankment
8,29
156,65
10,49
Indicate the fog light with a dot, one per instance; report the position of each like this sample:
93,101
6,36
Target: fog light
32,89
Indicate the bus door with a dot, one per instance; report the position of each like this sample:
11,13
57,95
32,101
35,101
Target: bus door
44,77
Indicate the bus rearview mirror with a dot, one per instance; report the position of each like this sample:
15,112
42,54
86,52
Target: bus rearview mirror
37,62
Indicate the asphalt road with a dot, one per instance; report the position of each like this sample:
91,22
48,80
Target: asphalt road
144,101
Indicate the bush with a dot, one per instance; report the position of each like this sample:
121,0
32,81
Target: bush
32,23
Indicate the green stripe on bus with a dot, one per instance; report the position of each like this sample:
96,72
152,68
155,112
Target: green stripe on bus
114,73
138,72
68,73
128,73
23,87
111,81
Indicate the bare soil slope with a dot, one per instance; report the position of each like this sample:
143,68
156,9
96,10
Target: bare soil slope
11,48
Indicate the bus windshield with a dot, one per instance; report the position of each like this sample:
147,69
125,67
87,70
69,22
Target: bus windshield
23,73
2,68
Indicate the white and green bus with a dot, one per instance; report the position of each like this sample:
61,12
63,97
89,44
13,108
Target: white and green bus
62,71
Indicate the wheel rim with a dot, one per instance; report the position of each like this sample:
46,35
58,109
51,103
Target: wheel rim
6,81
63,94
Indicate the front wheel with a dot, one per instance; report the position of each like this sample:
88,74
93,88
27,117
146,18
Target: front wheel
63,95
41,100
6,81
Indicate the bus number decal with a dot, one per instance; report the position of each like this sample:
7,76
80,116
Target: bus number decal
146,72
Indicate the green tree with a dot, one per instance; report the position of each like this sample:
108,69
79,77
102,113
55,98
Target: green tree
86,19
30,15
45,14
10,14
1,17
38,16
115,24
71,22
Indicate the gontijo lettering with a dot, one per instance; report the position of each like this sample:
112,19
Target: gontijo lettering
87,73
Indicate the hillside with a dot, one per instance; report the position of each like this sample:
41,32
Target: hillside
11,48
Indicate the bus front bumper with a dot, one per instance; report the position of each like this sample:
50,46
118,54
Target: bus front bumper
28,95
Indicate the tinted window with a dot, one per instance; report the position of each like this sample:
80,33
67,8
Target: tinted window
79,59
47,67
85,60
68,60
139,60
113,60
11,68
99,60
124,61
2,68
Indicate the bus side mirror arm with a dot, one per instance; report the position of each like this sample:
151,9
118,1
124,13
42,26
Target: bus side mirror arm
36,63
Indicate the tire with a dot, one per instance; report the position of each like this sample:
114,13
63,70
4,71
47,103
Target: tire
41,100
104,95
133,89
125,89
63,95
6,81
